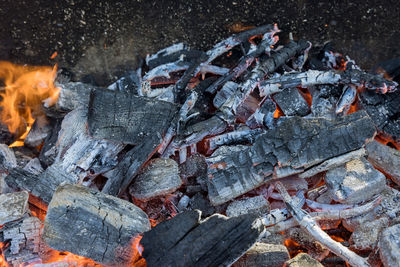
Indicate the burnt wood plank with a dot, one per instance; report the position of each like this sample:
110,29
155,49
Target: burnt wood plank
127,118
216,241
296,144
94,225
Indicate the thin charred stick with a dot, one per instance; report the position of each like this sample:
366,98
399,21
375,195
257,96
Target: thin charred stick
235,137
168,54
227,44
310,225
328,215
315,77
264,47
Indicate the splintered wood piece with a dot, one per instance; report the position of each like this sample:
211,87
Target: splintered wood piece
127,118
26,245
262,254
383,110
216,241
13,206
94,225
39,131
79,154
297,143
385,158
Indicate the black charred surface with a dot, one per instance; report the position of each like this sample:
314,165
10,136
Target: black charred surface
41,186
122,175
124,117
291,102
216,241
92,224
297,143
384,110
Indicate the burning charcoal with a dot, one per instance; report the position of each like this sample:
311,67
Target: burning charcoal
366,236
73,95
258,205
7,158
384,110
5,136
194,166
236,170
236,39
48,152
314,248
291,102
263,255
263,116
13,206
303,260
199,202
164,70
34,166
314,77
183,203
389,207
225,93
122,175
160,177
354,182
79,154
94,225
324,101
38,133
25,243
294,183
127,118
346,99
385,158
216,241
245,62
389,246
333,163
40,186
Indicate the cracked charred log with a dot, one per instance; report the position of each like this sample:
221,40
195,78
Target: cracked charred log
94,225
185,241
292,147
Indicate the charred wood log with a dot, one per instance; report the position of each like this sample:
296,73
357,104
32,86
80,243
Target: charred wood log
73,95
124,117
168,54
314,77
7,159
291,102
296,144
25,241
236,39
216,241
94,225
384,110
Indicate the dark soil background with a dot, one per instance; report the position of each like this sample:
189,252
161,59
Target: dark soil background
102,38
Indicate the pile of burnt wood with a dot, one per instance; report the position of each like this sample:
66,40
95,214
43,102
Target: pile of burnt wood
247,154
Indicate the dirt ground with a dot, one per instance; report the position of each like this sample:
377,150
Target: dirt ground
103,38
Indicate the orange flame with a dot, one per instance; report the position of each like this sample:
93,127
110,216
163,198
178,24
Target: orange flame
26,87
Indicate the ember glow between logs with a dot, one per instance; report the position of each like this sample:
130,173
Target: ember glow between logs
25,90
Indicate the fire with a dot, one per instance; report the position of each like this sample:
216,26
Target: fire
25,88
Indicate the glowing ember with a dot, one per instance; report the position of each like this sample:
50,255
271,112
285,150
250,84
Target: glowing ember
25,88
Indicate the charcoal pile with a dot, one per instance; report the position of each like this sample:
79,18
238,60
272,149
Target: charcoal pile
253,153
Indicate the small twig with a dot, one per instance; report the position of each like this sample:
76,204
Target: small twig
328,215
311,226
